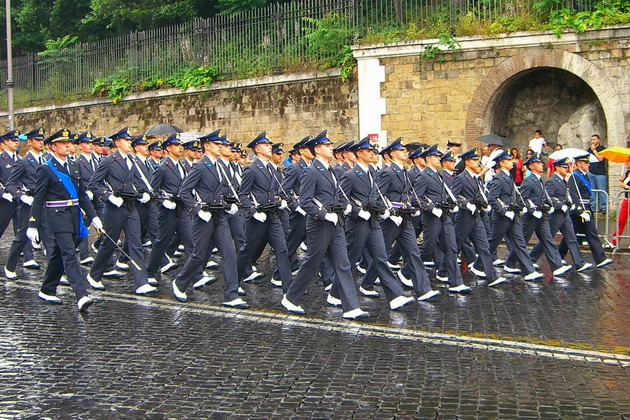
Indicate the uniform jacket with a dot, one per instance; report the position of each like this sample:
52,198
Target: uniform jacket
292,181
556,187
112,175
50,188
6,166
393,184
258,183
356,184
321,184
579,192
205,179
23,173
167,178
429,187
501,187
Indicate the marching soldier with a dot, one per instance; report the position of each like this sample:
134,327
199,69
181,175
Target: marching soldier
8,158
535,220
21,184
156,153
580,191
320,198
363,229
202,194
87,165
259,193
116,182
506,216
290,192
60,194
172,215
437,201
146,211
468,188
393,189
557,190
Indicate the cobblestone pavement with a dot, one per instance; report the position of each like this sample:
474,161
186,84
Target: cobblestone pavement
555,348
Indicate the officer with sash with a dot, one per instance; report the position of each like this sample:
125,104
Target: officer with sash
535,220
21,184
326,207
60,195
172,215
117,183
438,233
580,191
259,195
557,190
507,208
202,194
363,229
473,203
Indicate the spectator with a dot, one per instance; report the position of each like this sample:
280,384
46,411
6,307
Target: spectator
622,216
551,168
517,169
597,174
528,154
537,143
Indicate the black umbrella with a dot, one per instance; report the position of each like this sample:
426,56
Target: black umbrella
162,129
493,139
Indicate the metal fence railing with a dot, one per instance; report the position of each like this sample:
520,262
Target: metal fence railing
263,41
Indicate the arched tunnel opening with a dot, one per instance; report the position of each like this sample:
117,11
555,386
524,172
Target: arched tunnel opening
553,100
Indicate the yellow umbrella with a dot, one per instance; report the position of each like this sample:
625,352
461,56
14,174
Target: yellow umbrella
616,154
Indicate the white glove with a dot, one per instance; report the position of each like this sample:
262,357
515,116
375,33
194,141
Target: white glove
347,210
437,212
332,218
524,210
487,209
385,215
89,194
471,208
586,216
32,234
537,214
169,204
233,209
204,215
27,199
363,214
564,208
7,197
145,198
283,205
396,219
416,214
97,223
261,217
117,201
300,210
551,210
510,215
455,209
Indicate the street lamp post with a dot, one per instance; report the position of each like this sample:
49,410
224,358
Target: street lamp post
9,65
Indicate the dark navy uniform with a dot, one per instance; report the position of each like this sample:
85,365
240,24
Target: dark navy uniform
7,203
469,223
502,198
366,234
394,185
556,188
22,182
166,182
116,176
63,216
319,197
203,189
297,218
580,192
432,193
535,220
259,195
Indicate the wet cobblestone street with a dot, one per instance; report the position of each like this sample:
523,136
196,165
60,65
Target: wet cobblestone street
559,348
